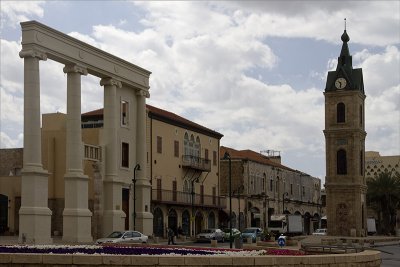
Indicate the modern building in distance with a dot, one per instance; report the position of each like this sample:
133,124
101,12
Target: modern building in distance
262,186
376,164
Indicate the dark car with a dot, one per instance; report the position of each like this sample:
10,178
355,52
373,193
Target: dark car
210,234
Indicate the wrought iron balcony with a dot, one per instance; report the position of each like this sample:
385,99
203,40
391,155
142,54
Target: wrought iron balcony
196,163
185,199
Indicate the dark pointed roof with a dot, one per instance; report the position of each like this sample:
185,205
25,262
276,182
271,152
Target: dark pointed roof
344,69
345,48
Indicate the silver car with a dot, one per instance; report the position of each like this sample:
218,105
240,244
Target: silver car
210,234
321,231
124,237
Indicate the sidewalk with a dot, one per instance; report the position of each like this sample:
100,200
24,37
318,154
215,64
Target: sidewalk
57,240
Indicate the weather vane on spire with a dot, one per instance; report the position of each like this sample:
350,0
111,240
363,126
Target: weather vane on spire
345,24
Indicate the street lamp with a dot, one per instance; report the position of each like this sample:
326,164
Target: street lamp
227,156
137,168
192,218
283,201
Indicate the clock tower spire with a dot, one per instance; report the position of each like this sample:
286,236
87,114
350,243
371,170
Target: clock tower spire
345,147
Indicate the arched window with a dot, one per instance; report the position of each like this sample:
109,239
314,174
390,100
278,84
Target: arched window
211,220
197,147
361,115
340,113
158,222
191,145
186,144
341,162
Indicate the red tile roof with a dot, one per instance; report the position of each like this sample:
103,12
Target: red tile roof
168,117
252,156
173,118
96,112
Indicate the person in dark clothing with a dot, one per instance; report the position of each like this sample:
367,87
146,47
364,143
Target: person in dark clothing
171,235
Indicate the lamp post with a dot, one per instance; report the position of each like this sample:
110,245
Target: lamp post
137,168
266,207
192,217
227,156
283,201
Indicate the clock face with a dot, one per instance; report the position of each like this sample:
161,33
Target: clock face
340,83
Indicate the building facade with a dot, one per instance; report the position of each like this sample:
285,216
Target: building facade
183,162
376,164
345,147
261,186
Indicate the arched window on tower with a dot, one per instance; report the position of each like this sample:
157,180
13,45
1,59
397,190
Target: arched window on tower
340,112
361,115
341,162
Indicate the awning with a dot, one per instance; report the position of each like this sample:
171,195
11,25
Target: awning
323,217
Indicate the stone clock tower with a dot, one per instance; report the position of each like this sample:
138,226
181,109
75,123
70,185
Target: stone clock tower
345,147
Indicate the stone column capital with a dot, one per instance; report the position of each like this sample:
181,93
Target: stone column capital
143,93
75,68
110,81
33,53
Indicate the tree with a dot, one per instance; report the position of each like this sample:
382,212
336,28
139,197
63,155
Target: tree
383,195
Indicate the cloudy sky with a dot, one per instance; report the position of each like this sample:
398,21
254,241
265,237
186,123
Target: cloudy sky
253,71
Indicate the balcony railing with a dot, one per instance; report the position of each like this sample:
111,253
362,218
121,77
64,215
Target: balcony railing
196,163
185,198
92,152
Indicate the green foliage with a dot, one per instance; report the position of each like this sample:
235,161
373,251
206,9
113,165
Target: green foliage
383,195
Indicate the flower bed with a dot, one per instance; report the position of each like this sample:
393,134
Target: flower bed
141,250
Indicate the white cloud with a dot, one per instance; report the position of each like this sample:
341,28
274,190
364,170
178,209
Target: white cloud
200,54
13,12
370,22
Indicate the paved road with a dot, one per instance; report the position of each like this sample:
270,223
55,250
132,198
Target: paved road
390,255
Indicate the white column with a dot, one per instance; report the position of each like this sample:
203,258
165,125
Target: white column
76,215
114,217
144,218
34,214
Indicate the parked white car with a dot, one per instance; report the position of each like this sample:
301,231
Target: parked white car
210,234
322,231
124,237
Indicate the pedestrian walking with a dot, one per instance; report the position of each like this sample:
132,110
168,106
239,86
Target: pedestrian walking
171,235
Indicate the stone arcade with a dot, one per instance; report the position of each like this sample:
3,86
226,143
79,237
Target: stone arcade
118,77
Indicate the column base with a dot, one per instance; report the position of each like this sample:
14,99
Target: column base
113,220
35,225
144,223
77,226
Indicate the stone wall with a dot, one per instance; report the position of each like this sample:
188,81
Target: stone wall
366,258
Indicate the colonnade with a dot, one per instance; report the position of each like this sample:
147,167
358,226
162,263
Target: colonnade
35,215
